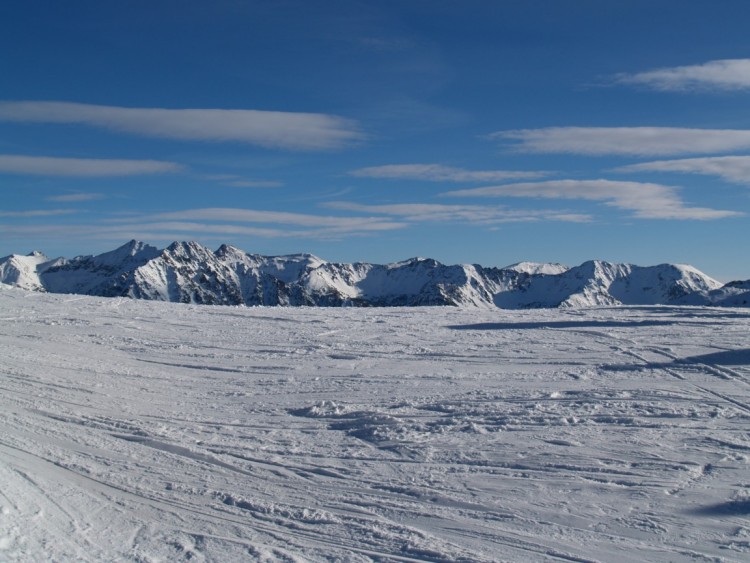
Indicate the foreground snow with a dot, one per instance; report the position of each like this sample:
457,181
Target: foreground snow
153,431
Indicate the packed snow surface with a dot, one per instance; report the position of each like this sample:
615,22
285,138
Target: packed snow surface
152,431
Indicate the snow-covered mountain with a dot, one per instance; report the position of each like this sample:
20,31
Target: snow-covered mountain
23,271
95,275
534,268
191,273
733,294
597,283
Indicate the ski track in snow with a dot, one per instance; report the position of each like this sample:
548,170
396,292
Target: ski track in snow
146,431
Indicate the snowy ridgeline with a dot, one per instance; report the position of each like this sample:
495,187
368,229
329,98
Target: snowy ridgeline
147,431
188,272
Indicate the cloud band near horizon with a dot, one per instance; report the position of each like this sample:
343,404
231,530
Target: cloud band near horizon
332,223
271,129
473,214
646,200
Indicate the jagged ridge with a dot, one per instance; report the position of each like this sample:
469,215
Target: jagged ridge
188,272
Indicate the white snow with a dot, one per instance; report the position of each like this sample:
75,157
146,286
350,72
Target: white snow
150,431
597,283
22,271
188,272
536,268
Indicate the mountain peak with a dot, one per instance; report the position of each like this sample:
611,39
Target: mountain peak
537,268
189,249
190,272
127,254
416,260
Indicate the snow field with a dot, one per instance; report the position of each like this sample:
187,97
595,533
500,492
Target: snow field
149,431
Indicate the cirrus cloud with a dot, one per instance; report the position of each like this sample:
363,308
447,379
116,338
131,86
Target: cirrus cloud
254,184
439,173
273,129
328,223
76,197
37,213
735,169
213,222
647,201
476,214
727,74
627,141
82,167
163,231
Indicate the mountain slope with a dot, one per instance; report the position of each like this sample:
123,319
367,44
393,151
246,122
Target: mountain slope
533,268
733,294
188,272
96,275
23,271
596,283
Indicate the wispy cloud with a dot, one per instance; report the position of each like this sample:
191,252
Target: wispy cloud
71,198
82,167
727,74
161,231
325,222
186,228
627,141
237,181
734,169
275,129
254,184
37,213
213,222
476,214
439,173
647,201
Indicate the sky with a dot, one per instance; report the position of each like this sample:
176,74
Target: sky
486,132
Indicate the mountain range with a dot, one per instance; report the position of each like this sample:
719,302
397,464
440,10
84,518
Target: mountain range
189,272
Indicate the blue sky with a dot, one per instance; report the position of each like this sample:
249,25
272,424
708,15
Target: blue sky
484,132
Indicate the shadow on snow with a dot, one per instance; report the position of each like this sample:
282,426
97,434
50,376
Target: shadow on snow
729,508
726,358
561,324
740,357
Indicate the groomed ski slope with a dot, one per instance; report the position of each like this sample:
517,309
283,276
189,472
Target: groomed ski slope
147,431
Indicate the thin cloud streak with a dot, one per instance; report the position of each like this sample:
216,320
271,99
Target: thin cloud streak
626,141
174,230
329,223
38,213
439,173
82,167
84,232
254,184
73,198
647,201
236,181
727,74
735,169
272,129
203,228
477,214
